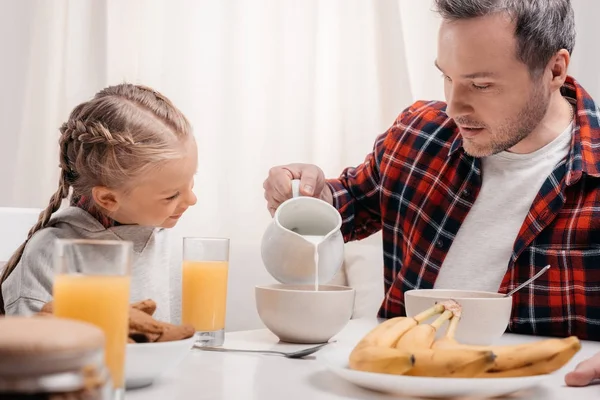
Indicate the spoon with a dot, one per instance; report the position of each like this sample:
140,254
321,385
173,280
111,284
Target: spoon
528,281
294,354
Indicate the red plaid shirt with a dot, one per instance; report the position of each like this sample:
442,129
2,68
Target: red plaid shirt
418,185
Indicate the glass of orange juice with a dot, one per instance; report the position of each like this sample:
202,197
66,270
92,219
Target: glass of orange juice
204,288
92,284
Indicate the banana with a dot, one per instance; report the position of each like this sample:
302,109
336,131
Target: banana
529,365
422,336
390,336
387,333
513,357
381,359
372,337
370,352
369,355
451,363
448,340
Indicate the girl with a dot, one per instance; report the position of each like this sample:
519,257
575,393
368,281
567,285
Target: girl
129,157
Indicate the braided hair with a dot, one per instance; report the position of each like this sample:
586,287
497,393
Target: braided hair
109,141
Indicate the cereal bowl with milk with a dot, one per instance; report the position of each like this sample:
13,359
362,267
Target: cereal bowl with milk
302,314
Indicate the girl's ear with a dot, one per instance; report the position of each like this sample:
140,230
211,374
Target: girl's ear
105,198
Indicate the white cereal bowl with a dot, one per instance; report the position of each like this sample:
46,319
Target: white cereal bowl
300,314
145,362
485,315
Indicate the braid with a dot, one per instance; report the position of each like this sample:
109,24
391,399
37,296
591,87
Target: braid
93,133
67,177
43,220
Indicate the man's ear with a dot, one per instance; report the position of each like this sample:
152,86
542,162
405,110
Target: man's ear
558,65
105,198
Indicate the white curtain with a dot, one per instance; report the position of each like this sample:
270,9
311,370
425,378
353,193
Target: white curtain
263,82
585,64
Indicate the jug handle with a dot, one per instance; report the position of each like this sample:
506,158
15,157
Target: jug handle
295,187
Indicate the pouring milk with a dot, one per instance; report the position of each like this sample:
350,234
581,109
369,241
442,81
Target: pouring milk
315,240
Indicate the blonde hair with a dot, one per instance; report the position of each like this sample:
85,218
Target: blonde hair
110,141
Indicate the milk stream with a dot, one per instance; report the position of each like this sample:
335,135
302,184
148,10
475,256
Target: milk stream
315,240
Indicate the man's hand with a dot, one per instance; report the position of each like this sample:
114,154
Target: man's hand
585,372
278,185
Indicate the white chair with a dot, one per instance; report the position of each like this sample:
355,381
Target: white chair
15,223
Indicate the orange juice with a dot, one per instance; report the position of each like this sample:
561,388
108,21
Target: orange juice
104,302
204,294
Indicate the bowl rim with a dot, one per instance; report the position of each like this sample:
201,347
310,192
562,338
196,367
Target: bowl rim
287,287
427,293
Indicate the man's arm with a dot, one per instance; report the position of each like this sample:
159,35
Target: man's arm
356,195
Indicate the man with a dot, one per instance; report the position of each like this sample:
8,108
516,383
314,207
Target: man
484,190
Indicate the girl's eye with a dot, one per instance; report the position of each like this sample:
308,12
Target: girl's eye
481,87
176,195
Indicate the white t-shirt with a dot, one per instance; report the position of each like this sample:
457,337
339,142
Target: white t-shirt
480,253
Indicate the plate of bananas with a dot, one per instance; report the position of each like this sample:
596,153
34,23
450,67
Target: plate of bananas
403,356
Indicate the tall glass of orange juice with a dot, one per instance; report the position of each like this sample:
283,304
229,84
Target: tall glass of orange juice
91,283
204,288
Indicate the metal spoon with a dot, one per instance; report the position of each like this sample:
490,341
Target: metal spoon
294,354
528,281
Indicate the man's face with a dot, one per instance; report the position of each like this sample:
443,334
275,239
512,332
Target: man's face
490,93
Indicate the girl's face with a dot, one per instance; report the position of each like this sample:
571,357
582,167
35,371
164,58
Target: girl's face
158,199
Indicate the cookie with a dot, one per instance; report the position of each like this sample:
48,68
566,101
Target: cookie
148,306
176,332
48,308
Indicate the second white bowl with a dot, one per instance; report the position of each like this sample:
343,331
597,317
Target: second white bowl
485,315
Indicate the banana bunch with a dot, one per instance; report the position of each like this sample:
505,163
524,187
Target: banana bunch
407,346
526,359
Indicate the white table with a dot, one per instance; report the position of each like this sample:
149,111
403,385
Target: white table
237,376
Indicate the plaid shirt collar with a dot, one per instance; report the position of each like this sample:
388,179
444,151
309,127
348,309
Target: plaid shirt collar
584,155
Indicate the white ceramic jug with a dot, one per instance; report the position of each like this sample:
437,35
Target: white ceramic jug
288,244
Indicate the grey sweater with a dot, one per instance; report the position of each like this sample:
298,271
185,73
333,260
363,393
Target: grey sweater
29,286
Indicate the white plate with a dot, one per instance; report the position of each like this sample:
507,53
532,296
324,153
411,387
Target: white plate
336,359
